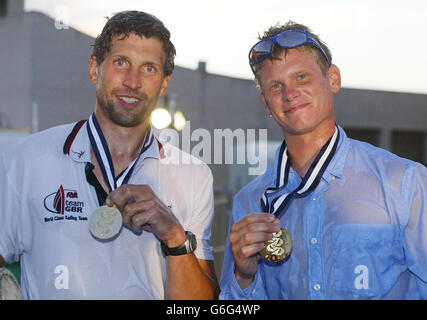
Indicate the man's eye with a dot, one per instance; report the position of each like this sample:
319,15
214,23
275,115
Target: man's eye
150,69
301,76
276,86
120,62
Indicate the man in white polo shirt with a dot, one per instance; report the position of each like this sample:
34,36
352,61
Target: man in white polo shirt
96,209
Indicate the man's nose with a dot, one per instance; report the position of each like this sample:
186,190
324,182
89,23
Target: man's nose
290,92
132,79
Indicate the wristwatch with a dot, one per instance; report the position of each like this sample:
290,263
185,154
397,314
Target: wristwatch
187,247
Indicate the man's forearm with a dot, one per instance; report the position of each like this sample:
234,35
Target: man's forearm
189,278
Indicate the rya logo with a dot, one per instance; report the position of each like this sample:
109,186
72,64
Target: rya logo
63,200
78,154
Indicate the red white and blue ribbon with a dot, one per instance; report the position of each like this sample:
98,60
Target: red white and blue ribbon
102,153
276,205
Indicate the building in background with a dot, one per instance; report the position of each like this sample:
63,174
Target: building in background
44,83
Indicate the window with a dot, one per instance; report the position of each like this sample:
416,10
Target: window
3,8
409,145
368,135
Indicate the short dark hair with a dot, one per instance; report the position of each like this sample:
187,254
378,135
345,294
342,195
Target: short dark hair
140,23
290,25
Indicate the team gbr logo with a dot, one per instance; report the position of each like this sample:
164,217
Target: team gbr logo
66,203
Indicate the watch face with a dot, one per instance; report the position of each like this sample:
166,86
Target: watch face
187,247
192,241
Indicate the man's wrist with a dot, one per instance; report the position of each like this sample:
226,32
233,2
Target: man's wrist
244,280
189,246
177,239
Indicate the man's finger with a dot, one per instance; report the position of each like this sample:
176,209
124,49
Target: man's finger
249,251
121,196
252,218
252,238
135,207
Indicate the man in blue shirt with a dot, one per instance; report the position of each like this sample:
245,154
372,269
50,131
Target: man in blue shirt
352,214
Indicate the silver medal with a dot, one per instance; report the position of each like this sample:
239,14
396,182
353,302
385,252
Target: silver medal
9,286
105,222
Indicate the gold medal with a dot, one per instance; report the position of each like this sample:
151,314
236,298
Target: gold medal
105,222
279,247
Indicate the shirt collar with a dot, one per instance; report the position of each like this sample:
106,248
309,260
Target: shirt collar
335,167
77,145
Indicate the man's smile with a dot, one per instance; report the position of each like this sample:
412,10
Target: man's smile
128,101
297,107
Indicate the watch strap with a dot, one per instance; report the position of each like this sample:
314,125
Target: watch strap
187,247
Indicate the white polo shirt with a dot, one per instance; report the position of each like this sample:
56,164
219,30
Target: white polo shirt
45,203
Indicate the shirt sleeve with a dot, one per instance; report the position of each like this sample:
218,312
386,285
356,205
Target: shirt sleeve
202,213
10,248
230,289
414,189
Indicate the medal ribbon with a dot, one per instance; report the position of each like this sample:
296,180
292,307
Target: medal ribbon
309,182
103,155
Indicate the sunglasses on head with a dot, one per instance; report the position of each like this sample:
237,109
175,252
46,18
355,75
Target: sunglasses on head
287,40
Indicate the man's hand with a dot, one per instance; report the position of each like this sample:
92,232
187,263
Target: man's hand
247,239
142,210
186,276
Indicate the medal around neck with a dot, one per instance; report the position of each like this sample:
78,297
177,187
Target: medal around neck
105,222
279,247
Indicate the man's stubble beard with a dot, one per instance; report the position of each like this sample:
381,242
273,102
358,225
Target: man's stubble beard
125,118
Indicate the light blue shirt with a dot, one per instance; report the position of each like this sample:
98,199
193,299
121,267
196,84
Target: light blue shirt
361,234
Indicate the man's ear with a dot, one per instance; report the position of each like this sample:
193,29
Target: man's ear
265,103
93,70
334,78
165,85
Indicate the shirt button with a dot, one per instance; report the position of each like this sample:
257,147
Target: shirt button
314,199
316,287
313,240
253,291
